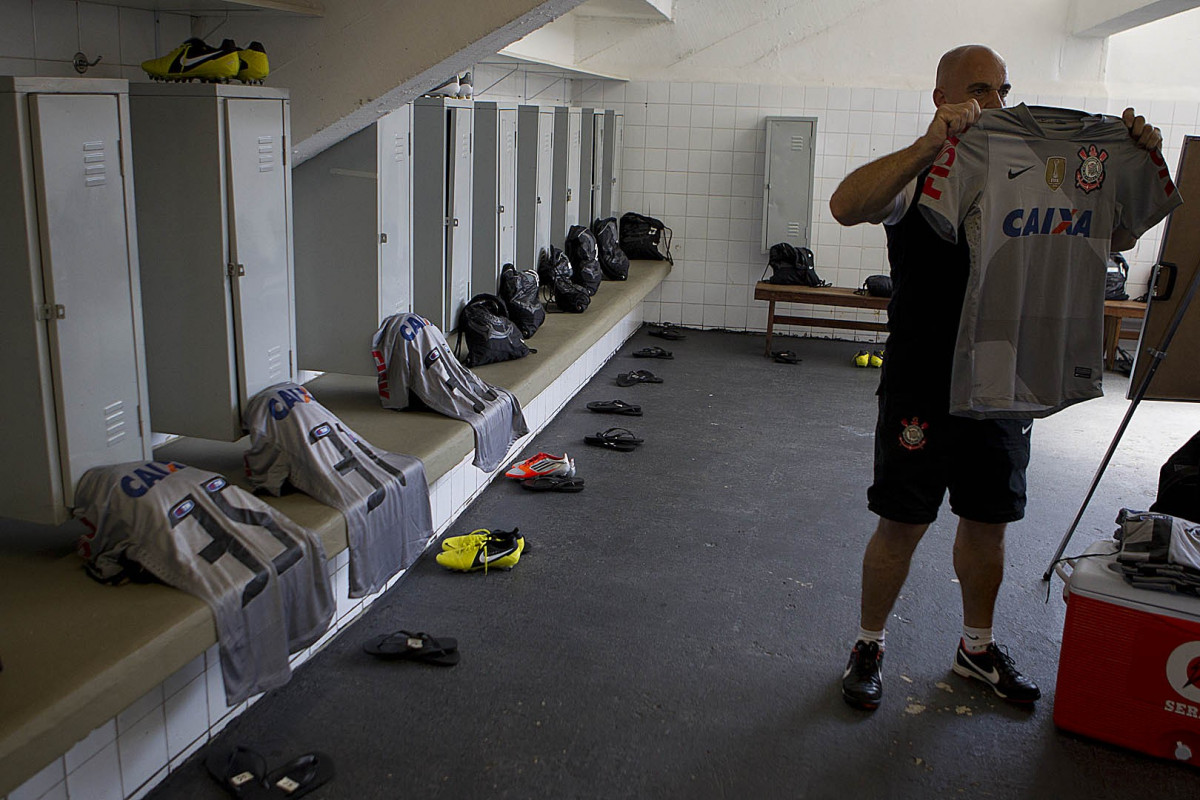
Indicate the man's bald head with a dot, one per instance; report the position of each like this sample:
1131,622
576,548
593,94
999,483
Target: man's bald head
972,72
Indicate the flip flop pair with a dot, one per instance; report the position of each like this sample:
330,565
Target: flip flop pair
620,439
637,376
553,483
243,773
666,331
652,352
786,357
408,646
615,407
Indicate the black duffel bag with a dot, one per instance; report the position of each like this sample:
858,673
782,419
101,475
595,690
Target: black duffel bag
1115,277
613,261
876,286
792,266
584,257
554,271
519,291
1179,483
491,336
645,237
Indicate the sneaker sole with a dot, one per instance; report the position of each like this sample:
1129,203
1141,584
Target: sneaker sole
862,705
966,673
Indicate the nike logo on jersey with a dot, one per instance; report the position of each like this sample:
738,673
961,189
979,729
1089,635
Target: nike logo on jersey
1012,173
1048,222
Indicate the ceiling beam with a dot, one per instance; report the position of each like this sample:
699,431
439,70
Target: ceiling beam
1096,19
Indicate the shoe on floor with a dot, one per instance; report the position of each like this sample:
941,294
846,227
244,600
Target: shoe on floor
862,682
542,464
862,358
482,550
876,359
995,667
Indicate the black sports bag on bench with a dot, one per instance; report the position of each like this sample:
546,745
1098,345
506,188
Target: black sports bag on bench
645,237
792,266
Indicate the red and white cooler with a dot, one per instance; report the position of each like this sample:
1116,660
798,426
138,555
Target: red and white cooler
1129,671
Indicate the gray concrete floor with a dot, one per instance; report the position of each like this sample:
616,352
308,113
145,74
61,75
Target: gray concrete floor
679,628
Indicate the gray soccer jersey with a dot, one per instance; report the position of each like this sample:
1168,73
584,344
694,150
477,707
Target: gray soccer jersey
411,354
262,575
383,496
1039,192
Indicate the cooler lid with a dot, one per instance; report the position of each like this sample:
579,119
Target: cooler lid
1092,578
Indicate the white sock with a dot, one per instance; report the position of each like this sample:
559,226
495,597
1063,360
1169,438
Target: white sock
976,640
865,635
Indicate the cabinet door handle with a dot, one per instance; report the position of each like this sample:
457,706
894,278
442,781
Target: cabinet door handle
236,270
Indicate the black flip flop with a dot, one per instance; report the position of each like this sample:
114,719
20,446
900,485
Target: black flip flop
652,352
407,646
667,332
240,771
620,439
786,357
301,775
637,376
615,407
553,483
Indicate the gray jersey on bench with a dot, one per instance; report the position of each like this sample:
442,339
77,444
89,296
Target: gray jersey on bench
411,354
383,496
262,575
1039,192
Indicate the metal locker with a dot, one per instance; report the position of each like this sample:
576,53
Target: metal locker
395,212
458,212
607,173
788,181
599,154
214,206
614,209
545,177
70,315
573,141
558,178
528,143
508,187
587,156
485,199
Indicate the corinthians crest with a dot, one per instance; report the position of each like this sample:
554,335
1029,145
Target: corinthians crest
912,433
1090,174
1056,172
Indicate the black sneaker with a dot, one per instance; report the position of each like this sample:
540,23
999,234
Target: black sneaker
994,666
862,686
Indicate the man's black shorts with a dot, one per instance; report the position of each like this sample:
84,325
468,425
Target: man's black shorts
921,450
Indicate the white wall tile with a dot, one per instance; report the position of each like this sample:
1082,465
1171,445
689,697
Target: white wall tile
139,709
100,33
186,716
16,35
44,781
99,778
142,750
91,744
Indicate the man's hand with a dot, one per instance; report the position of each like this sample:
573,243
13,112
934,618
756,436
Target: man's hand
951,119
1144,135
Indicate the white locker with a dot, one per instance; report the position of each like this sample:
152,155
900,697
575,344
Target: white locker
587,155
458,272
607,173
574,136
353,262
559,180
485,199
70,313
508,187
614,209
215,235
528,148
788,181
599,159
545,178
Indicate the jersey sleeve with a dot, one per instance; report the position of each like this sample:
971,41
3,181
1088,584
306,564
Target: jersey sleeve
954,182
268,466
901,203
1147,195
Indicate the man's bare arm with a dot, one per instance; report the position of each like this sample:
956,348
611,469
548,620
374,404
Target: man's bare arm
867,194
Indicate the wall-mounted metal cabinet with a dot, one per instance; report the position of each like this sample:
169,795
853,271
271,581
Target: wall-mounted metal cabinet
441,208
559,181
614,209
214,207
353,254
494,196
535,161
607,176
70,313
788,181
587,159
574,138
600,154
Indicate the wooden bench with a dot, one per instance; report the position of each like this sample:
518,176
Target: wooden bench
822,296
1114,312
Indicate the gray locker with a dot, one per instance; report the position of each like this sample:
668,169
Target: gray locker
214,205
587,157
353,263
545,178
528,149
599,156
558,180
607,173
618,148
508,187
788,181
574,136
441,208
70,314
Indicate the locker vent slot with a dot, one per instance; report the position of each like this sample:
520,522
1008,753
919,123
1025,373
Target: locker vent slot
399,148
466,144
797,142
266,153
95,171
793,229
275,361
114,422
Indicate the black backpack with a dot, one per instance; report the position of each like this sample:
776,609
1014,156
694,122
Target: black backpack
554,271
1179,483
642,237
519,291
613,261
792,266
876,286
552,264
491,336
1114,279
584,257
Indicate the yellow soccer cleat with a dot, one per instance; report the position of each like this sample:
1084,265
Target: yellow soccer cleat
862,358
254,67
195,60
876,359
482,550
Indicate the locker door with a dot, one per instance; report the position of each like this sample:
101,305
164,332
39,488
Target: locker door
86,271
508,188
527,186
545,178
573,186
485,201
606,167
258,237
558,178
618,148
430,206
787,189
598,157
458,269
395,197
587,155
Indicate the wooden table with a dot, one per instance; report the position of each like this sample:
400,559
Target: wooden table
818,295
1114,312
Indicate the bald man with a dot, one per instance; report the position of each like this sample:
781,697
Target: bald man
981,462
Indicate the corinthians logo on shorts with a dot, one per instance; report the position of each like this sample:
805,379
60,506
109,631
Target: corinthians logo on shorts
1056,172
1090,174
1183,670
912,434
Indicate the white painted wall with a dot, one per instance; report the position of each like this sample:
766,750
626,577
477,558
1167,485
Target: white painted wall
1160,60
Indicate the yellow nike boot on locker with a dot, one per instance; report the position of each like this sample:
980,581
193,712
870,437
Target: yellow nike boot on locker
195,60
254,67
